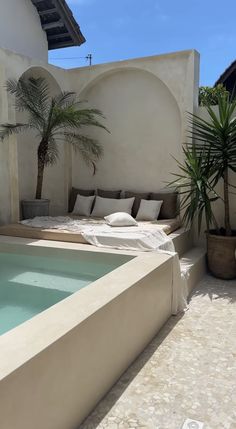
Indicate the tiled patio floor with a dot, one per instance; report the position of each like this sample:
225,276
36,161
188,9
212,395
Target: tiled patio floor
188,370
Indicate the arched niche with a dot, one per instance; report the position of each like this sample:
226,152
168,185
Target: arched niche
146,131
55,176
120,69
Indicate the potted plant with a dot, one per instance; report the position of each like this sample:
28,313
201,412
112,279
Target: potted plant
55,119
209,158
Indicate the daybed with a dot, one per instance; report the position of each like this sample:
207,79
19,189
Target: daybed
168,219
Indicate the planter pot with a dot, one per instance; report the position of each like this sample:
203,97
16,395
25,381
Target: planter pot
221,256
33,208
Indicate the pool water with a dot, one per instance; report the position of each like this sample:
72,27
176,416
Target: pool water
31,284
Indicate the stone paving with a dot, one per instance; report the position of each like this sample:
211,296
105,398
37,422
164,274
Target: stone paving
187,371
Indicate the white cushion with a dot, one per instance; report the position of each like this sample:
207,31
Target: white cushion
83,205
120,219
106,206
149,210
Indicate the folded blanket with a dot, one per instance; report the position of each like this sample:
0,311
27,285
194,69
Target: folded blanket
143,241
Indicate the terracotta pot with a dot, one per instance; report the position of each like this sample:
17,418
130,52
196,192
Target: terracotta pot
221,256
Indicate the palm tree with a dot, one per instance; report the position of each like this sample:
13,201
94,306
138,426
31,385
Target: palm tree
217,137
55,119
208,159
194,182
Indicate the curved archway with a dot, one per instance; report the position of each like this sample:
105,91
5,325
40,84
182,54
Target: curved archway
121,69
54,179
38,71
146,129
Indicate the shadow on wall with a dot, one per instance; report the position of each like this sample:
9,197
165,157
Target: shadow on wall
146,131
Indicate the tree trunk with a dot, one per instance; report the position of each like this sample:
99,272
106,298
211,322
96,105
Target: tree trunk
228,231
39,186
42,153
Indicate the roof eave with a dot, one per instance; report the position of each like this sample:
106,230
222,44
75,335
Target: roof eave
71,30
74,27
224,76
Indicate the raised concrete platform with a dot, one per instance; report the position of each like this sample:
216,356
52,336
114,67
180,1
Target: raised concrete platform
193,265
192,259
64,235
183,240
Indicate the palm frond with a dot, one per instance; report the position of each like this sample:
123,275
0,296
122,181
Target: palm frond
31,96
90,149
208,156
70,117
193,183
6,130
64,99
54,118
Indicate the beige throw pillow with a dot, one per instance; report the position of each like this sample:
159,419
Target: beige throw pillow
106,206
83,205
149,210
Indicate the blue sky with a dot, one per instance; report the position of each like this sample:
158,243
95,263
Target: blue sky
121,29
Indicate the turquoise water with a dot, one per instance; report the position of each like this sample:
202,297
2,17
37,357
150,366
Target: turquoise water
31,284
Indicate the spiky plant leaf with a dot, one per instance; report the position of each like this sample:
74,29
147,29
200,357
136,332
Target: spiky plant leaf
208,157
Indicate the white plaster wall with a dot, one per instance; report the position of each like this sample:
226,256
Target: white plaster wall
6,158
5,206
18,154
145,125
20,29
144,102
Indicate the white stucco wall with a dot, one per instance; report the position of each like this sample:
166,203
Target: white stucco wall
18,154
144,101
145,125
20,29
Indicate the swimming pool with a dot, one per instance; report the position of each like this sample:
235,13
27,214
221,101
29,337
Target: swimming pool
59,363
30,284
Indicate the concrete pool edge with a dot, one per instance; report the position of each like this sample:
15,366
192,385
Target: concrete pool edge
121,305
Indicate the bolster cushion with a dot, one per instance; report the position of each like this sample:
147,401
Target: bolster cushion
104,193
170,205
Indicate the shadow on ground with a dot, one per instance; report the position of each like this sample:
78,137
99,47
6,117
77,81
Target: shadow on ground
210,287
122,384
216,289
